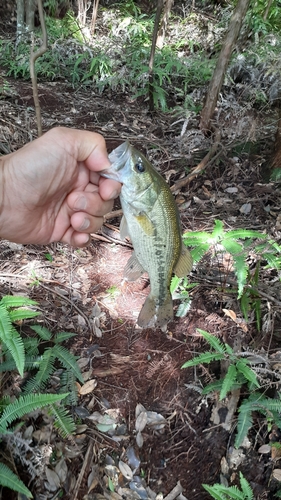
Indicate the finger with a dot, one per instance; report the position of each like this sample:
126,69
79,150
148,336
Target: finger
89,202
85,146
86,223
76,239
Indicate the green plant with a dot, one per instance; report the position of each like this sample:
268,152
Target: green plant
238,373
221,492
179,289
42,355
13,309
44,360
15,410
239,243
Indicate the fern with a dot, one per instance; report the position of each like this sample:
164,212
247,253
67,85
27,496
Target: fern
9,480
42,331
228,381
46,368
221,492
68,384
16,301
20,314
24,405
63,422
205,357
68,361
11,338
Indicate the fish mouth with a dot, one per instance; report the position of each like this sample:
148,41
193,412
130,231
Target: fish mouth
118,159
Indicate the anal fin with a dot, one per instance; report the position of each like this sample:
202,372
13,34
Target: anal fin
133,269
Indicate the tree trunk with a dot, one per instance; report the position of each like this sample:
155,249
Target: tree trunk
276,158
152,54
20,20
164,23
30,11
223,60
33,57
94,16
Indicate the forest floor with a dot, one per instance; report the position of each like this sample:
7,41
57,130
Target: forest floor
132,367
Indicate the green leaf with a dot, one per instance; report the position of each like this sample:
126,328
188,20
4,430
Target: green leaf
228,381
42,331
63,336
17,301
46,368
12,339
232,246
244,233
26,404
20,314
213,341
244,423
246,488
63,422
68,361
245,304
249,374
194,238
241,271
205,357
9,480
217,231
213,387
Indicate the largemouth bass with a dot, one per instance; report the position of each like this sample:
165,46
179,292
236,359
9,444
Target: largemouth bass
151,220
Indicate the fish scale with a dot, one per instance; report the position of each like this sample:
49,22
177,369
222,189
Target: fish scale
152,222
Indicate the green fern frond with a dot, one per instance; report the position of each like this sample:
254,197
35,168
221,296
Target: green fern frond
194,238
246,488
12,340
220,492
214,342
213,387
244,423
26,404
42,331
63,336
233,247
9,480
21,314
217,231
68,361
249,374
46,368
241,271
68,384
5,401
199,251
244,233
205,357
31,345
228,381
17,301
63,422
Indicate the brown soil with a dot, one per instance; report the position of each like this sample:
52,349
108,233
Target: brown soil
130,365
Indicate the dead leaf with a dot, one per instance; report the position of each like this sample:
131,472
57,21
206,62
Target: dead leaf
53,480
141,421
277,474
265,448
125,470
88,387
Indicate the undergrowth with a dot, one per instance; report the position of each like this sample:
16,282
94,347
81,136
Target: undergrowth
41,355
242,246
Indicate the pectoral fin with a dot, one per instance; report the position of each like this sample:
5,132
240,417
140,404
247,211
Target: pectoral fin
146,224
133,269
184,264
123,228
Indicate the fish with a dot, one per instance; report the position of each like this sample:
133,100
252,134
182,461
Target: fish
152,222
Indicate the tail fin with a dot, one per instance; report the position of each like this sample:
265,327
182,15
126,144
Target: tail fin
153,315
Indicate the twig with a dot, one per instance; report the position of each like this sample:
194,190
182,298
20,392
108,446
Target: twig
86,463
200,167
33,57
176,491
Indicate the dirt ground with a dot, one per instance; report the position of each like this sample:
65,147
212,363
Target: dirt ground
133,366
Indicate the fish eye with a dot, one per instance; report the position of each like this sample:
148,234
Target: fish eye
140,167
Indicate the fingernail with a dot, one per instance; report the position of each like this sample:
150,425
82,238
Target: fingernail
81,203
85,225
114,194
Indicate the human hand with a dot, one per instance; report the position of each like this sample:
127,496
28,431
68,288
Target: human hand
51,189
